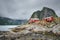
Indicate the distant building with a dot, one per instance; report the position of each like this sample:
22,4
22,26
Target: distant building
49,19
33,20
36,20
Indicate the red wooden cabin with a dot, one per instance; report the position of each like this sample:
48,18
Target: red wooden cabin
33,20
49,19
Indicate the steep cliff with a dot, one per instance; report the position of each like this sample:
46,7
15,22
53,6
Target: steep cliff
45,12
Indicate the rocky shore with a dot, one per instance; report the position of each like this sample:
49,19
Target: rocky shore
31,32
30,36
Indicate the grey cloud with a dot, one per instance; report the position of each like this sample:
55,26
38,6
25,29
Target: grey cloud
23,9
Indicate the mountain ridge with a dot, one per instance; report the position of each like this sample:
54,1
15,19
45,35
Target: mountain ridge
45,12
8,21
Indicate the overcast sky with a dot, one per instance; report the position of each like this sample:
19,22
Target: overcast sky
23,9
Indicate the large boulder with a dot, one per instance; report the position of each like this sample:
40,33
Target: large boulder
56,29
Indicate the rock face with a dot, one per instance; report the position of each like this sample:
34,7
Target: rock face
29,36
31,28
45,12
56,29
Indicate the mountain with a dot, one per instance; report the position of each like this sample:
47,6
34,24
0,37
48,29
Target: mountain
45,12
8,21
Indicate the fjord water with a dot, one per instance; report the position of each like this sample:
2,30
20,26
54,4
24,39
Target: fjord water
6,27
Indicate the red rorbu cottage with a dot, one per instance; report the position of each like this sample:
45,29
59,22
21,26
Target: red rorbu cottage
33,20
49,19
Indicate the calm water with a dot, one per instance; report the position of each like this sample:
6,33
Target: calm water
6,27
